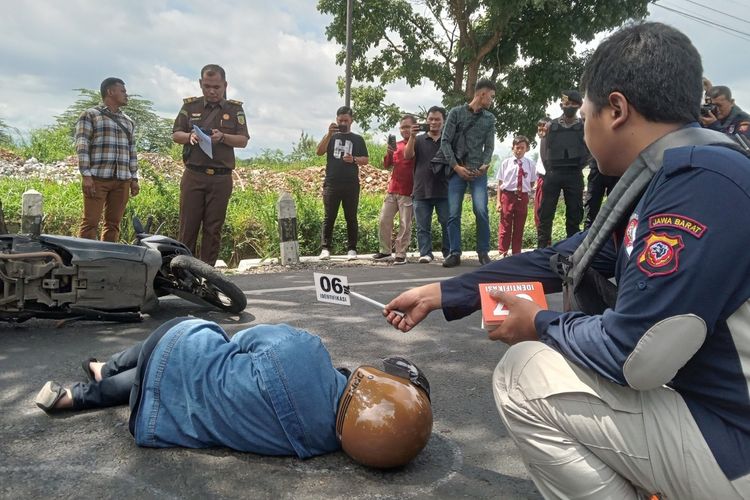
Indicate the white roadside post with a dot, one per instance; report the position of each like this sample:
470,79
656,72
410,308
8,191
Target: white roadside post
31,212
287,211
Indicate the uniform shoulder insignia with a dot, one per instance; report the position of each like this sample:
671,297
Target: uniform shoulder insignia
233,101
188,100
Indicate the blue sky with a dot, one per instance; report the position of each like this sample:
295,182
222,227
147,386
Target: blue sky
276,56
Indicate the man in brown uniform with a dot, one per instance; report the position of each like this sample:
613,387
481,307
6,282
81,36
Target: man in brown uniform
206,183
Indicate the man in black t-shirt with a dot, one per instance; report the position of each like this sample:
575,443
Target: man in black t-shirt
430,189
345,151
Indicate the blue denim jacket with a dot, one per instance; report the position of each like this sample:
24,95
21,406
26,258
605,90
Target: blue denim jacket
271,390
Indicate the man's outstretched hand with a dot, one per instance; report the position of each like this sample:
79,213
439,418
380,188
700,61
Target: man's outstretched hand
416,304
519,325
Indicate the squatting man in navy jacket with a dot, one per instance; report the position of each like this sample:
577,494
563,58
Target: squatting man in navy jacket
651,394
270,390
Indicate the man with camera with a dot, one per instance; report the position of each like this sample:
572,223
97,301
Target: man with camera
206,184
430,188
722,114
398,198
345,151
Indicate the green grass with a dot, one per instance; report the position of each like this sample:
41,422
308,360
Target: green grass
251,229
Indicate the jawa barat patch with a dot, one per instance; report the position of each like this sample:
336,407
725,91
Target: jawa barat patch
690,226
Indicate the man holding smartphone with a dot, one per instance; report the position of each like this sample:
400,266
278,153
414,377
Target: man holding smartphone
345,151
398,198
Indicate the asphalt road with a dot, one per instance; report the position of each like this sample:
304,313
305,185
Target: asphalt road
91,454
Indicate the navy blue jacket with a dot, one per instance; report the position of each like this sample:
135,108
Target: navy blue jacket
685,252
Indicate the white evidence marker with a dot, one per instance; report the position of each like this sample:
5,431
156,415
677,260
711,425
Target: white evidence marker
335,290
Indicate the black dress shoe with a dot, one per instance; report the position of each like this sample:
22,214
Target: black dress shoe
85,364
484,259
452,260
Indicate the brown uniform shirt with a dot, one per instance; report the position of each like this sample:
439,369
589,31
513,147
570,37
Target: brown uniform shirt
230,119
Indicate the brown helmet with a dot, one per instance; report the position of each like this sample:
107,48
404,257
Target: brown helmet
384,417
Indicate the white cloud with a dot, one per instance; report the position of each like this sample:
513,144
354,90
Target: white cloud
276,56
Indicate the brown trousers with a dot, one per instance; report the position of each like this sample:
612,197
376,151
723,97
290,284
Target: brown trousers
111,197
203,201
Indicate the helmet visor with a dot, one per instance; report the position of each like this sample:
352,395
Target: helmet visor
403,368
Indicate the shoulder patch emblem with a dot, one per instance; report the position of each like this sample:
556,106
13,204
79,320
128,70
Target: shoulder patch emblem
675,221
661,256
188,100
629,239
241,118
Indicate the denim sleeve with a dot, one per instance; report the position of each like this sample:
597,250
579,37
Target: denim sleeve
261,337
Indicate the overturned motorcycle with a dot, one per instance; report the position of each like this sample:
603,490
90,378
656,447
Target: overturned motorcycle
60,277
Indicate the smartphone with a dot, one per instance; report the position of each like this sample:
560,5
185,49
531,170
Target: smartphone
392,141
424,127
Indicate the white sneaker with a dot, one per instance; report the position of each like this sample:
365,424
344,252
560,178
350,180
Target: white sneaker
351,255
325,254
425,259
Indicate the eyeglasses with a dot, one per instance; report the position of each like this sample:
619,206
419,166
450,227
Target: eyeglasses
403,368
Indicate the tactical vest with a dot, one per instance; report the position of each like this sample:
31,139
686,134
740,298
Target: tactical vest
565,146
585,289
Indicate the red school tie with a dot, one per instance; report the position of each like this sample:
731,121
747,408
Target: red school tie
520,177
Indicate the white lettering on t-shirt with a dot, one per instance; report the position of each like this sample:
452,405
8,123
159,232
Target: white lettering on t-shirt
341,148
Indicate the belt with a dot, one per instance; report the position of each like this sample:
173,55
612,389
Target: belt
210,170
514,193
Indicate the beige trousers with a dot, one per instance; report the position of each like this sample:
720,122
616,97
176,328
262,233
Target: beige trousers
582,436
404,206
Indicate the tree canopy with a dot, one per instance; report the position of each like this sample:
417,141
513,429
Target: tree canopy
152,132
526,46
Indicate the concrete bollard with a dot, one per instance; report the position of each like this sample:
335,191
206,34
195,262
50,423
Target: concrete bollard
287,211
31,212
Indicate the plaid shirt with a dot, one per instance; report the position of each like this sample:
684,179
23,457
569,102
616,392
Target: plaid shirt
103,147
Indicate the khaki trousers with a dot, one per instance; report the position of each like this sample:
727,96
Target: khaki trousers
582,436
404,206
203,202
111,196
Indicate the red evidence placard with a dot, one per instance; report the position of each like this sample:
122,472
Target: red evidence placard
494,313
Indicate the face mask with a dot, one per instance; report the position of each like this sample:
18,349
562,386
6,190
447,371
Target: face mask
570,112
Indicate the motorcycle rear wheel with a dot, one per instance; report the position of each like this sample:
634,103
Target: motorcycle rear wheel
207,284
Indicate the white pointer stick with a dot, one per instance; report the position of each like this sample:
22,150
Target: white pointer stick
373,302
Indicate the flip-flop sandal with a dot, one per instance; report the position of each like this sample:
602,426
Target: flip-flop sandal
87,370
49,395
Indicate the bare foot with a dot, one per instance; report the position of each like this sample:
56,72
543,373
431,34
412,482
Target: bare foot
96,369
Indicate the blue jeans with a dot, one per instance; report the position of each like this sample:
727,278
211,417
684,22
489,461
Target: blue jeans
423,214
456,190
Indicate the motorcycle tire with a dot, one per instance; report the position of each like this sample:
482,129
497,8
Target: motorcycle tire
207,284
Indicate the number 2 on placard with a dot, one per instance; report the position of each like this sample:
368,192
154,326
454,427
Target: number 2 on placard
500,309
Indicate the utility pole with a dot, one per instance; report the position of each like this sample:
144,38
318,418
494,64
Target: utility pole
348,86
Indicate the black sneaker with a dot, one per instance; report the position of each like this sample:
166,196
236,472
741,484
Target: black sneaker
452,260
381,256
484,259
399,260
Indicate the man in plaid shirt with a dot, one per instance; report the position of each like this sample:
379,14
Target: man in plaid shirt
107,162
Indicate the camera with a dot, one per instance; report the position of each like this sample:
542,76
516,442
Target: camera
708,109
424,127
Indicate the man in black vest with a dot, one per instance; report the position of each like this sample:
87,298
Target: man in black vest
564,155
